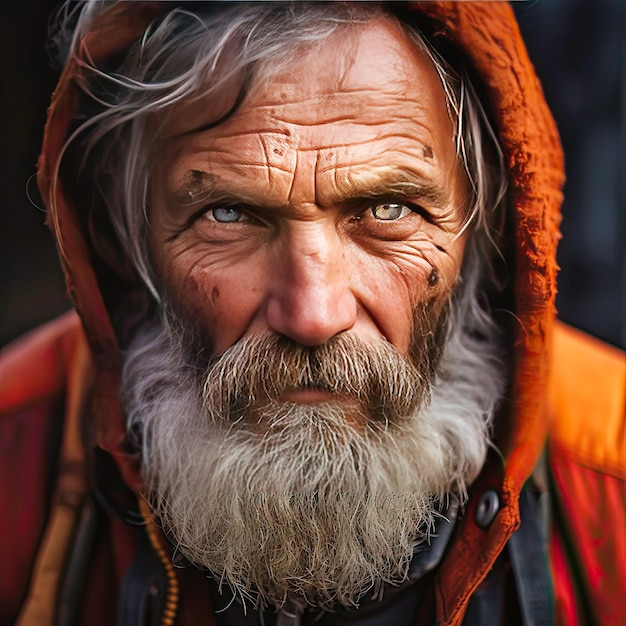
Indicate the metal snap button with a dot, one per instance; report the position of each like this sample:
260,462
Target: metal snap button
488,507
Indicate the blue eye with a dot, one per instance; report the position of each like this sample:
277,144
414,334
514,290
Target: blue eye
390,211
225,215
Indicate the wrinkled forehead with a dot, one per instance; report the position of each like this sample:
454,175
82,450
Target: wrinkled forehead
350,60
352,63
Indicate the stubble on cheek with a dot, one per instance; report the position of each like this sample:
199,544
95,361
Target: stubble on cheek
429,330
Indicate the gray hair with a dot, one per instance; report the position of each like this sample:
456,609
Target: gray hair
180,57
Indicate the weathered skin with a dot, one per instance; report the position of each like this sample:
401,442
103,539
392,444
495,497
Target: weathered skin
358,123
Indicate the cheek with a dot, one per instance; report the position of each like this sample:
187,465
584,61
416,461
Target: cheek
389,289
220,302
392,286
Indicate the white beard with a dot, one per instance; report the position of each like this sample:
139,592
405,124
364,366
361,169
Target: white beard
312,503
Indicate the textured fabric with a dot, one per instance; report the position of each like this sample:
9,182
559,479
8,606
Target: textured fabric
587,453
37,406
35,394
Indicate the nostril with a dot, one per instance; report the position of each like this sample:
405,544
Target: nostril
311,317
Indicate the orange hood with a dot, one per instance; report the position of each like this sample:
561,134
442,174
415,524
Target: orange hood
488,36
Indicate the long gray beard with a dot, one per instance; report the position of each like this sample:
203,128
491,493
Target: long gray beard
317,504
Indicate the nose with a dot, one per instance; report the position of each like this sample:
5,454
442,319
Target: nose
311,299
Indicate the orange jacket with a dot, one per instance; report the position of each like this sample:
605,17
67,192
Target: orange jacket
587,453
59,405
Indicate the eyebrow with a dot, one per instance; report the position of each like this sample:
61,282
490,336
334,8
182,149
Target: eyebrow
200,186
398,182
196,186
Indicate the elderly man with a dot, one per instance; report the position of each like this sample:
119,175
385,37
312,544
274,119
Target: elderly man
311,248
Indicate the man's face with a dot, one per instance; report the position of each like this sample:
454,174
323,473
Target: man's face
328,203
311,242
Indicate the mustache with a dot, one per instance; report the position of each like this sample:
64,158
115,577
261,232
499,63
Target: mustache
257,370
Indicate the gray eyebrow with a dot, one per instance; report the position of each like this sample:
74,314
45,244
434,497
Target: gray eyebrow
201,186
398,182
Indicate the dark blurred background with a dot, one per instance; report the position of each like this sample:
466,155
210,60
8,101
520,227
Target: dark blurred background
579,50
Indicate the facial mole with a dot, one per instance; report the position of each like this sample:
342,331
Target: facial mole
427,152
433,279
215,293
